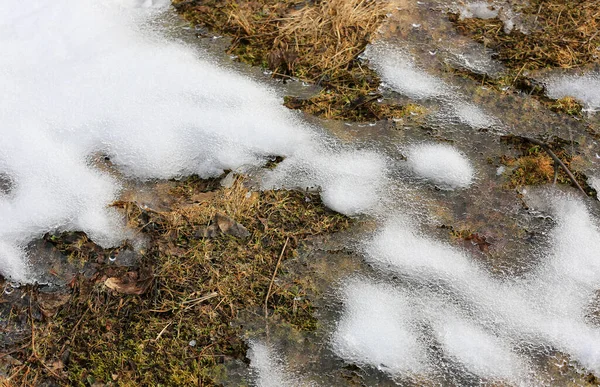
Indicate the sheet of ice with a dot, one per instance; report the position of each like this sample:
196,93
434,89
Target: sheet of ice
585,88
477,318
86,78
441,164
375,329
266,369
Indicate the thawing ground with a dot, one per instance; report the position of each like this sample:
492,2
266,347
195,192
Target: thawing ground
83,79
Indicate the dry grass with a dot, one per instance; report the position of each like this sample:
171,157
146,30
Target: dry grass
192,288
317,42
564,34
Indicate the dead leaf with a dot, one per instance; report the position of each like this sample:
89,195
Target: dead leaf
202,197
130,283
50,303
230,226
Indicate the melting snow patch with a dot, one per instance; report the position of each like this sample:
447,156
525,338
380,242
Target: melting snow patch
399,72
478,9
441,164
585,88
375,329
594,182
477,318
397,69
480,352
266,368
473,116
351,181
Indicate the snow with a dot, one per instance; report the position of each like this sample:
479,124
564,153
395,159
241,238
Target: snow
585,88
266,368
440,164
478,319
83,79
399,72
387,342
478,9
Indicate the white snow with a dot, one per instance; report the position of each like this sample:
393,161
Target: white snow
398,71
478,9
441,164
585,88
594,182
473,116
86,78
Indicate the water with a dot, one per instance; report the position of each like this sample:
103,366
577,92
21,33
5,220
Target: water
406,304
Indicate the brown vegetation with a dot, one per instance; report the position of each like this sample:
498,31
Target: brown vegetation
171,319
316,41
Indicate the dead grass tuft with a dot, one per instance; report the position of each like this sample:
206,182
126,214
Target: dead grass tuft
535,167
317,42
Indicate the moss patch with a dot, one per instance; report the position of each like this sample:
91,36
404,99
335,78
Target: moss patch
564,34
180,329
535,167
318,42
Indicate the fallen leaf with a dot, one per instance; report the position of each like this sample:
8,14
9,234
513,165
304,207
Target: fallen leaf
49,303
130,283
230,226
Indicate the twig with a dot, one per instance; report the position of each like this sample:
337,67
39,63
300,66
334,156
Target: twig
557,161
273,278
163,330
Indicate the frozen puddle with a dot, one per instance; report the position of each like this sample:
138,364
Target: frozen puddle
83,80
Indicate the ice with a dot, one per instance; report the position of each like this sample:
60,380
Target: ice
375,329
585,88
441,164
84,79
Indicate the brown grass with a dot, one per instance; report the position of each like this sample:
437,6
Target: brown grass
564,34
535,167
317,42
